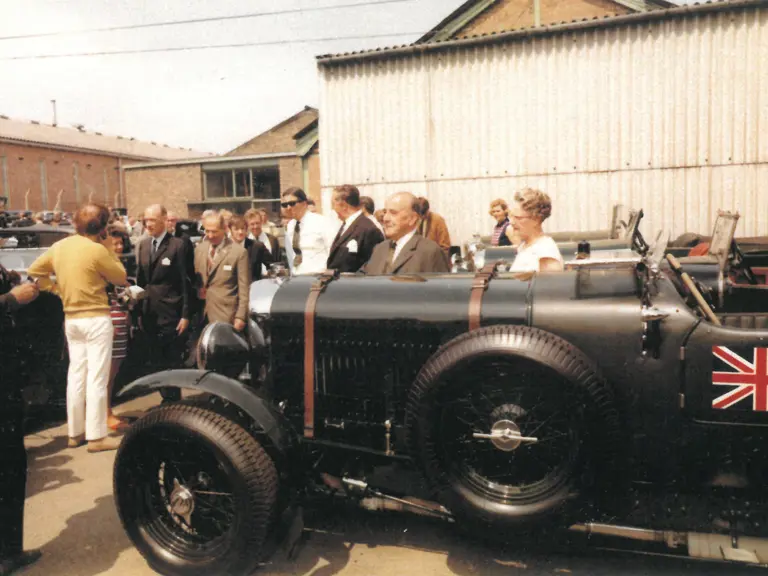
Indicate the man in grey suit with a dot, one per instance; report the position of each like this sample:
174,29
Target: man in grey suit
223,275
404,251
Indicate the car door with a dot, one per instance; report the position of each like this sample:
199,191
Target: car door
726,371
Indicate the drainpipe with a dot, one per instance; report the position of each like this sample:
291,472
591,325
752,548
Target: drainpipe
537,12
120,176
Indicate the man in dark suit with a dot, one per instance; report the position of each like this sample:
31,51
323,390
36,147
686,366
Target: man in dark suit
357,235
255,220
258,255
162,272
405,252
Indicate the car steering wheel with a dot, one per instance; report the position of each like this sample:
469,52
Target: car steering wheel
740,262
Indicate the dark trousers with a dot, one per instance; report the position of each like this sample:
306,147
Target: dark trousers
13,475
165,351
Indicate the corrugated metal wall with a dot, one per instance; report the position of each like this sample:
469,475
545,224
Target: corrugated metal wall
670,116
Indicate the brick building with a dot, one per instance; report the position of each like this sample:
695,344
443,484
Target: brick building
251,175
477,17
45,167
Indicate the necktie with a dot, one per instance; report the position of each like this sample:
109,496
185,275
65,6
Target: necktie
390,257
211,256
296,245
154,246
341,231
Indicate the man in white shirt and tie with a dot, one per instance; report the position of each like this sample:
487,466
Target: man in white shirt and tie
308,237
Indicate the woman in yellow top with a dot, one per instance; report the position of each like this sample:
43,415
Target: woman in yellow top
83,265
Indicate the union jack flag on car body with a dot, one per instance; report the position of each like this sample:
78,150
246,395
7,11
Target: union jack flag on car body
746,379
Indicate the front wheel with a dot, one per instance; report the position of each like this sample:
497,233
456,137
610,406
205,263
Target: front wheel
195,492
509,423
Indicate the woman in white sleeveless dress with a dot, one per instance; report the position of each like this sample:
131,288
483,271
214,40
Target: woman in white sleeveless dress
536,252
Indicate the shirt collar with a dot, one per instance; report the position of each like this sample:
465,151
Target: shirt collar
305,216
405,239
351,218
160,239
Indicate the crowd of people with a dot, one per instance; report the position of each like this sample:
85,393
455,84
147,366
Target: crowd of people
185,287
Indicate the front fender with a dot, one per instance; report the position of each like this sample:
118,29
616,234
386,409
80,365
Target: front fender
273,423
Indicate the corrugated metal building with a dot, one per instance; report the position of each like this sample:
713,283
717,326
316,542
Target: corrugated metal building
664,110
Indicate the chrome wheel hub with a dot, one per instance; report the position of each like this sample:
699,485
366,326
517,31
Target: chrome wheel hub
505,435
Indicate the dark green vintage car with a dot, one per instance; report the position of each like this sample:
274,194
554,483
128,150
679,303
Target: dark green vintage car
618,397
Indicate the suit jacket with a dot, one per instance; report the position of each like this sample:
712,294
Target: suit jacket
258,255
274,248
351,250
435,228
228,282
419,256
165,278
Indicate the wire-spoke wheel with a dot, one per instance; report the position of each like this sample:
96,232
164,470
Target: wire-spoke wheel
506,421
195,492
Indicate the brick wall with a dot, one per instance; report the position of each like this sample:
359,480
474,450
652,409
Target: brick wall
76,174
279,138
171,186
291,173
510,14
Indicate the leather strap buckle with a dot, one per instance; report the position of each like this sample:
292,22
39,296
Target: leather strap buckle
479,285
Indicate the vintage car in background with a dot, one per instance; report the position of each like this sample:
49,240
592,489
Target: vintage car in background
614,242
619,397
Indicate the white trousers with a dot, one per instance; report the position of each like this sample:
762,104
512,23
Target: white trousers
90,358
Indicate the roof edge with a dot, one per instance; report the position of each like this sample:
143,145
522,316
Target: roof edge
209,160
80,149
328,60
275,127
456,20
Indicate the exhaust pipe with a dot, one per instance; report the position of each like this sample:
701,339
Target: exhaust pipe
744,549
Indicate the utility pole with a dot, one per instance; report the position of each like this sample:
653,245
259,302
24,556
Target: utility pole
55,120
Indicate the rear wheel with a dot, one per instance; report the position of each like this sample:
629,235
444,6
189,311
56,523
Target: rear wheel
509,424
196,493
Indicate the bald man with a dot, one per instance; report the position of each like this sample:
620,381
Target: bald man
164,275
404,251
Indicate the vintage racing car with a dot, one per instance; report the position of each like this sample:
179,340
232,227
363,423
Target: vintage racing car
617,397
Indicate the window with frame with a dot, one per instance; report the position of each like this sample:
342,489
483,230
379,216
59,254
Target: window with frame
261,183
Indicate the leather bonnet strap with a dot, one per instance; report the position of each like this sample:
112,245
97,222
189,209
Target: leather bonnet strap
309,349
479,286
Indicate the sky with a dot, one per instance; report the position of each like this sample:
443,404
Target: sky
208,100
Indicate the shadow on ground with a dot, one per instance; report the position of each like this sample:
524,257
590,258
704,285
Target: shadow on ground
328,542
90,543
46,467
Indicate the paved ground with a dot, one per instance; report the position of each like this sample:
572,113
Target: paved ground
71,517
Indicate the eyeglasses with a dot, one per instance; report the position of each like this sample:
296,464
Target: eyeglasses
516,218
290,204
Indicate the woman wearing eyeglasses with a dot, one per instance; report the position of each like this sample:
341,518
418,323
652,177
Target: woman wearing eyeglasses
537,252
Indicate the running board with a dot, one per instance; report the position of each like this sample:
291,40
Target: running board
745,549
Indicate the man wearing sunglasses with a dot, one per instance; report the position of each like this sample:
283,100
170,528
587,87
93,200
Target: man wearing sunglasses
308,236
